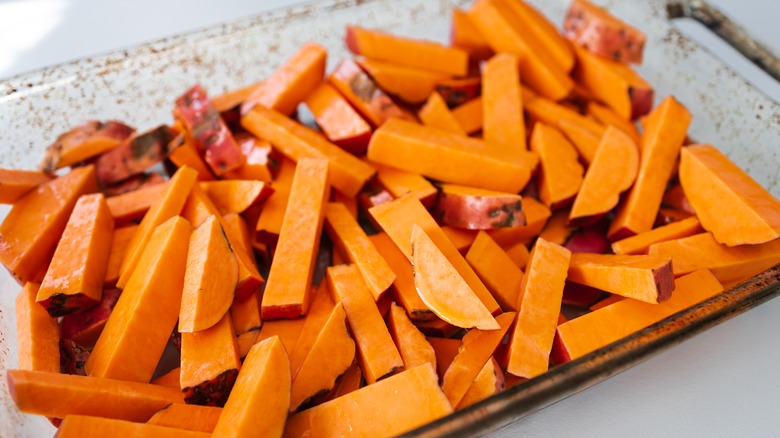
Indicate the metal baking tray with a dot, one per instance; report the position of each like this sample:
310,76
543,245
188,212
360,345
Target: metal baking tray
138,86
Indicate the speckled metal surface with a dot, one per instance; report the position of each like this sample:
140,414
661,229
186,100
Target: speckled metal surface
138,86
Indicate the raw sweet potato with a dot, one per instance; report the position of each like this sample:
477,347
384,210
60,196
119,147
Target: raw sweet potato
262,162
85,327
85,141
459,90
15,183
338,120
560,174
542,33
607,116
269,222
37,335
400,182
465,35
320,310
469,115
184,152
187,417
600,32
134,155
81,426
132,206
477,209
434,113
489,381
235,196
414,348
494,267
410,85
647,278
640,243
502,103
288,331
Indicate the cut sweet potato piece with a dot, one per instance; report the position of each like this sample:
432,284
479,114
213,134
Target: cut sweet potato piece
15,183
346,172
400,182
134,155
210,278
184,152
660,144
269,222
289,280
410,85
496,269
31,230
502,30
518,253
710,181
320,310
436,115
146,312
74,280
446,349
502,103
58,395
449,157
477,209
132,206
610,299
469,115
37,334
414,348
541,32
209,363
607,116
169,379
338,120
583,138
351,381
78,426
613,170
640,243
465,35
417,400
379,357
489,381
329,358
539,305
425,55
288,331
475,350
85,327
459,90
262,162
560,174
352,241
263,385
195,418
437,328
85,141
600,32
601,327
647,278
246,315
442,288
235,196
728,264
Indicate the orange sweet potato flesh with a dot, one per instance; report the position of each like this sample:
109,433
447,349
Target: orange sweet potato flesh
560,173
58,395
601,327
647,278
79,426
449,157
169,205
459,90
542,32
169,379
84,141
210,363
34,225
263,385
710,180
399,182
378,355
37,334
289,280
262,161
539,305
436,115
74,280
328,359
416,400
469,115
338,120
15,183
138,329
477,209
489,381
414,348
133,205
185,153
502,104
613,170
607,116
210,278
246,314
425,55
475,350
728,264
600,32
465,35
640,243
660,144
496,269
288,331
410,85
351,381
187,417
291,83
233,98
347,173
320,310
269,223
397,219
235,196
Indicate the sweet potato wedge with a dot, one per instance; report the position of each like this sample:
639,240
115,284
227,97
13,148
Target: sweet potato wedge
338,120
37,334
600,32
136,154
640,243
15,183
647,278
235,196
84,141
560,174
477,209
434,113
132,206
489,381
320,310
81,426
262,161
410,85
502,103
496,269
195,418
414,348
464,35
400,182
269,222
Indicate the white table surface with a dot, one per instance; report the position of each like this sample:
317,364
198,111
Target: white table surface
725,382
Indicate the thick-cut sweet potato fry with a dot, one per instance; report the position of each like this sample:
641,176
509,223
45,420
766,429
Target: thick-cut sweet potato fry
541,33
450,157
489,381
168,206
37,334
607,116
195,418
338,120
400,182
613,170
74,280
398,218
475,350
31,230
138,329
465,35
184,152
436,115
319,311
352,241
288,331
379,357
58,395
410,85
15,183
209,363
710,181
502,103
414,348
728,264
661,140
269,222
262,162
85,141
263,385
646,278
502,30
170,379
289,280
291,83
81,426
134,155
560,174
235,196
425,55
446,349
600,32
518,253
351,381
416,400
469,115
85,327
246,314
539,305
494,267
132,206
601,327
327,360
582,138
640,243
477,209
346,172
